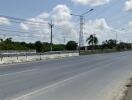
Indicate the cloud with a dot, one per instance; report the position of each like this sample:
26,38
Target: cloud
24,26
62,20
129,28
4,21
130,24
99,27
61,13
91,2
128,5
38,24
64,26
100,24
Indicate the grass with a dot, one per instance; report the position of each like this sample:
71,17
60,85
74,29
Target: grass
89,52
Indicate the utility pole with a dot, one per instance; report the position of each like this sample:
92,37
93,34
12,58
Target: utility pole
116,38
64,39
81,41
51,35
94,41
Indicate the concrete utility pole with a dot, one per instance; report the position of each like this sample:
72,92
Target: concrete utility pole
51,35
81,41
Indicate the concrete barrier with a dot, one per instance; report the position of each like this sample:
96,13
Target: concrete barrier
29,58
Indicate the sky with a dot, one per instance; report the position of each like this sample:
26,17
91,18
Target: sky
108,18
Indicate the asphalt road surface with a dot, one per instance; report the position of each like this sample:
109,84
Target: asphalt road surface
92,77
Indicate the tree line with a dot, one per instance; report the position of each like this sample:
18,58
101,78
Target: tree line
92,41
9,44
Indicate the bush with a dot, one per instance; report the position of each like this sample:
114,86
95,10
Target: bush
71,45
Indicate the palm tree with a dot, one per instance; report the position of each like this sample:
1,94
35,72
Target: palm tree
92,40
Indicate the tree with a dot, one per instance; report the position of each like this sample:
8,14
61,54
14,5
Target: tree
38,46
92,40
46,47
123,46
71,45
8,40
110,44
58,47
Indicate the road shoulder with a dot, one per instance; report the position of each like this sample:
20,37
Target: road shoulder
129,92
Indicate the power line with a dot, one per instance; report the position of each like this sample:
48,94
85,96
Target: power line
16,35
36,30
6,30
23,20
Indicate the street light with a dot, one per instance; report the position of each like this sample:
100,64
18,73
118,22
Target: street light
119,30
116,35
81,27
128,37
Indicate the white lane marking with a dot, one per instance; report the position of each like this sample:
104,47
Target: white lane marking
19,72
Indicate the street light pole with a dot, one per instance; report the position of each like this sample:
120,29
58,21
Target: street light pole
81,41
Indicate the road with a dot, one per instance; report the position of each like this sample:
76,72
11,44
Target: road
92,77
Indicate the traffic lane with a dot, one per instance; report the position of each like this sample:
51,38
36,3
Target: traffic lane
5,69
103,83
13,84
24,81
21,82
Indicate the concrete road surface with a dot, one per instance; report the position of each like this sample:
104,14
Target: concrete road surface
93,77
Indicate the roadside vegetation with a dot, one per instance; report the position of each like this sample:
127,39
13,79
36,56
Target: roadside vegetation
107,46
110,45
9,44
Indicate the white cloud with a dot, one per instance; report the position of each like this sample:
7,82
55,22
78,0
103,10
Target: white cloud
4,21
128,29
61,13
128,5
43,15
38,23
24,26
64,26
100,24
130,24
91,2
61,18
99,27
